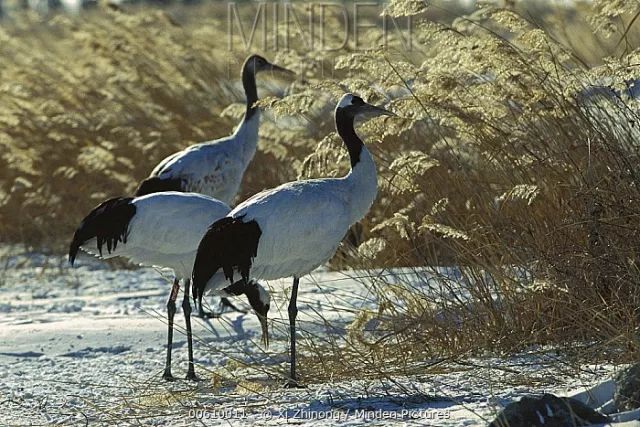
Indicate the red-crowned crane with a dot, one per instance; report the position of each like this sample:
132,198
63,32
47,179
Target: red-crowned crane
163,229
215,168
292,229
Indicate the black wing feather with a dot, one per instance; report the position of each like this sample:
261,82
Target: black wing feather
230,244
108,223
157,185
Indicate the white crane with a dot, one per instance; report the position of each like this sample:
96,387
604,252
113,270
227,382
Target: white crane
215,168
163,229
292,229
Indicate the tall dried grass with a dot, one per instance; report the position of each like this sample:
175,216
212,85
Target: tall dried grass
514,164
90,105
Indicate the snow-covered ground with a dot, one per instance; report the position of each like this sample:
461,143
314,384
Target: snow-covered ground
87,346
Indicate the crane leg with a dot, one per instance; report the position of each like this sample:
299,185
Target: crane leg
171,311
206,314
293,313
186,308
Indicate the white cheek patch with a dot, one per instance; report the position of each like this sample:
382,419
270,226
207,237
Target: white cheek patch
345,101
265,298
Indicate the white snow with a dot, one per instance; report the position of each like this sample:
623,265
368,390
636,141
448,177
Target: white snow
87,345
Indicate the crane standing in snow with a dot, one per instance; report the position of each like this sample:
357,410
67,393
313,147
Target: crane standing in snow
163,229
292,229
216,168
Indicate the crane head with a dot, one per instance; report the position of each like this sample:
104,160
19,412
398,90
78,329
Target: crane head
354,106
260,300
257,64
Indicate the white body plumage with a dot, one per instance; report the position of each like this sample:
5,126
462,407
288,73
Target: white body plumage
303,222
165,230
214,168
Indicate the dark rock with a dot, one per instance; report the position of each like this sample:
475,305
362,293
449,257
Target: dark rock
627,394
547,411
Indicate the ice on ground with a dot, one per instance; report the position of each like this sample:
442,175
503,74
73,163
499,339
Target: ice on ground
87,345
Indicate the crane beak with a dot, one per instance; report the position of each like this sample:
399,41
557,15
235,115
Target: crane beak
265,330
279,69
369,111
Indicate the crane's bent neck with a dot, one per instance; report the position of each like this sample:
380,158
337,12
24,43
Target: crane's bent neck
250,89
363,178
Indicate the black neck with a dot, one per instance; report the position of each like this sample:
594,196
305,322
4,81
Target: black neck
238,288
250,90
344,125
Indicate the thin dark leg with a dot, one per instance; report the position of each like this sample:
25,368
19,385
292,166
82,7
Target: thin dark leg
207,314
201,314
293,313
171,311
186,308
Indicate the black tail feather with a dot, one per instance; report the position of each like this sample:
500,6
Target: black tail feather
228,243
157,185
108,223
